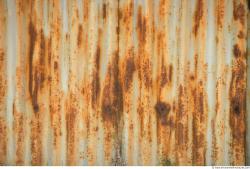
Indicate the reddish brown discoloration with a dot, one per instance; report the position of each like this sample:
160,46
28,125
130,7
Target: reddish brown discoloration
36,79
239,12
236,51
198,156
104,11
164,77
181,131
162,109
3,141
198,16
112,99
36,140
129,71
220,13
19,130
141,26
238,109
96,79
70,127
79,36
241,35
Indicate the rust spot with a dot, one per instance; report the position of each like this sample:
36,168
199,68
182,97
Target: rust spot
170,72
36,141
235,105
70,127
86,9
96,79
112,99
36,76
32,40
220,13
241,35
237,96
239,12
3,141
198,16
19,130
104,10
141,26
130,68
55,65
180,101
164,78
162,109
236,50
79,36
179,133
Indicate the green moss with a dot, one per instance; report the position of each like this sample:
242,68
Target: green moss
167,162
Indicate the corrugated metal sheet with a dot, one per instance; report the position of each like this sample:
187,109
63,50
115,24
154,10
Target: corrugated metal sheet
124,82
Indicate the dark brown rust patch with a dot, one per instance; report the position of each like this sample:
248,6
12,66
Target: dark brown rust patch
198,16
237,51
170,73
104,11
79,36
239,12
112,99
237,96
55,65
70,127
162,109
130,68
96,80
141,26
241,35
164,78
32,40
36,76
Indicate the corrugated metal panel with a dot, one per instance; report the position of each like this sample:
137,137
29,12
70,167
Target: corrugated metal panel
124,82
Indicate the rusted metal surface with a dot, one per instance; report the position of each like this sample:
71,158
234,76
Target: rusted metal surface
124,82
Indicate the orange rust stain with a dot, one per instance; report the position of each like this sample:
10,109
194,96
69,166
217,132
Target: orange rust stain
79,36
70,128
36,76
236,51
198,156
239,12
36,140
241,35
96,79
141,26
3,141
112,99
198,16
129,70
126,15
220,13
86,9
162,109
19,130
237,96
104,11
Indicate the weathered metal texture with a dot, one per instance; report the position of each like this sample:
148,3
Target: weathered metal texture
124,82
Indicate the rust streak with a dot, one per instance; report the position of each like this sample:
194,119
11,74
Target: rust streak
198,16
